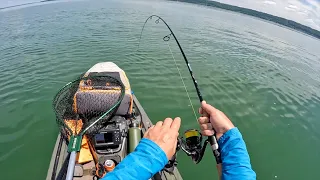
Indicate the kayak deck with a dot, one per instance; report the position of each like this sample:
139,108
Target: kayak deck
59,158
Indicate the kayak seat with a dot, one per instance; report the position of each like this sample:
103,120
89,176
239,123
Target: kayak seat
90,101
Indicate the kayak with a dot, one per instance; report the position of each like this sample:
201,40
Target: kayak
112,143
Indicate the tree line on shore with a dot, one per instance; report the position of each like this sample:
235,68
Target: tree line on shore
262,15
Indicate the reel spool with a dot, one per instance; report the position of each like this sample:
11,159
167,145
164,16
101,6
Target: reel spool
191,144
193,138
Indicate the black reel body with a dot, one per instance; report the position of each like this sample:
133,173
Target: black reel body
193,138
192,145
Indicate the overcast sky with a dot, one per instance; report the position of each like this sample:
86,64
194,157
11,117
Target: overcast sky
306,12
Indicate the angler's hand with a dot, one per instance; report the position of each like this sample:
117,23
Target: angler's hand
165,135
213,118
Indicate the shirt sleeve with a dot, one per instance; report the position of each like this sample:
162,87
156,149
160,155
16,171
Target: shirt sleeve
146,160
235,157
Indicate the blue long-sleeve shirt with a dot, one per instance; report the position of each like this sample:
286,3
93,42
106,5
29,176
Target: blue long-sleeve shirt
235,158
148,159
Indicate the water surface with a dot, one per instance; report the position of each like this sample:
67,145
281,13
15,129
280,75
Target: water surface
266,78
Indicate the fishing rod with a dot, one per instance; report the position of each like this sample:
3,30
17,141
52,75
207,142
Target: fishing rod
192,144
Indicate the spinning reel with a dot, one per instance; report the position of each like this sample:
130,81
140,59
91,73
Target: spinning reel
192,145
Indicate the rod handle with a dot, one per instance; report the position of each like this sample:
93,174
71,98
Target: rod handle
215,148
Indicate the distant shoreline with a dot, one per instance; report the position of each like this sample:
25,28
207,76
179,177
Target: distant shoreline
1,8
18,5
275,19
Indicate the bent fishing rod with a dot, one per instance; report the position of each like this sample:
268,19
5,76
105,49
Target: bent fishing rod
188,147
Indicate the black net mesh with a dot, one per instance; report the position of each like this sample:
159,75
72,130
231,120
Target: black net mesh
84,105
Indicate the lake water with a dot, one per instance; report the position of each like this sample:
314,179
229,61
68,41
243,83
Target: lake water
266,78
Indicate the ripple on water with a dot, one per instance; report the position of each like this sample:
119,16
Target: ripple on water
266,83
16,130
6,155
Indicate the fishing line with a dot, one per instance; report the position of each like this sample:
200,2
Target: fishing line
184,85
211,139
166,39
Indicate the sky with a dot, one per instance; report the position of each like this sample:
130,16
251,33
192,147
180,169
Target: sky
306,12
